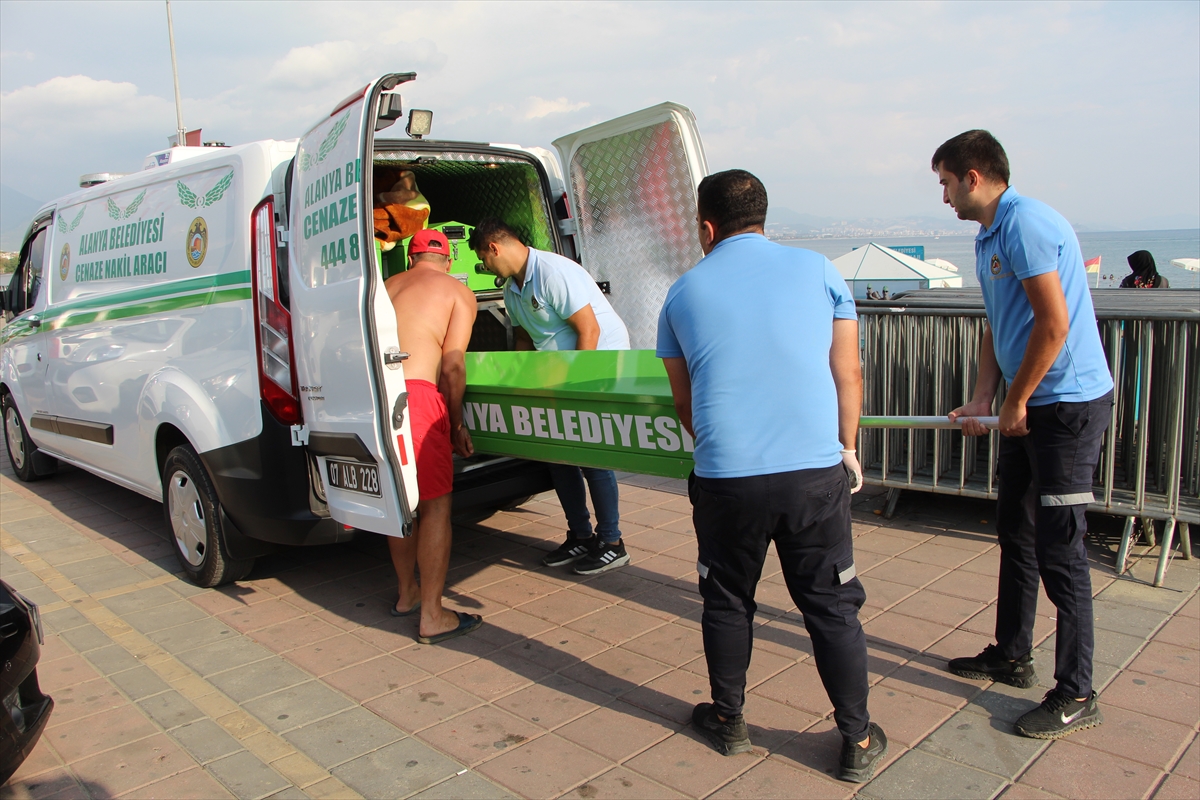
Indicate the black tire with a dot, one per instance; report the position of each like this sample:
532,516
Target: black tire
193,513
27,461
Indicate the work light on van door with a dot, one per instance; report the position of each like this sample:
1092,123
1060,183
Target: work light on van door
272,322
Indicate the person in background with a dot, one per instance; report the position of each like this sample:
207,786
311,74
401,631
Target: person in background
555,304
751,323
434,316
1041,337
1143,273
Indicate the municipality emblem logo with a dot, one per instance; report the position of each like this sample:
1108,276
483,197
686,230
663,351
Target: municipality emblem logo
64,261
197,241
996,264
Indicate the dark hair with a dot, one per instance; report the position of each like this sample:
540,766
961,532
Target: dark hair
732,201
429,256
974,150
489,230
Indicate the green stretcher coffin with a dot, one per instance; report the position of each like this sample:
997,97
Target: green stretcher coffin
610,409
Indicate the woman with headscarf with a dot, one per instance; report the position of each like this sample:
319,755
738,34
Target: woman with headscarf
1144,274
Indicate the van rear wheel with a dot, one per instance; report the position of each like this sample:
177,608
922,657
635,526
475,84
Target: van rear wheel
193,513
27,461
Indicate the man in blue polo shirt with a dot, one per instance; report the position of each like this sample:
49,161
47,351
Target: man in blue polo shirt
555,304
1043,341
760,343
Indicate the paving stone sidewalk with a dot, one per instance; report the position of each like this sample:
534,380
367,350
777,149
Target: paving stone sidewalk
297,683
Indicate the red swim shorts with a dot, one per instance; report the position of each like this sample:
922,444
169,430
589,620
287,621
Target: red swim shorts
429,422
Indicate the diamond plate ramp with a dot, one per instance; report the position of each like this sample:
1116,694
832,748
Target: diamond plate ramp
636,205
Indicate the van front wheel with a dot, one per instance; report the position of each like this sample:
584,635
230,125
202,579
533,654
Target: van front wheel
192,510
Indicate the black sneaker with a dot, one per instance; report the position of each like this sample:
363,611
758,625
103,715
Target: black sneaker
602,558
858,764
569,551
729,737
1059,715
990,665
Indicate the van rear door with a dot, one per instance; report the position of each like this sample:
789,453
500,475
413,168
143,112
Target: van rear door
633,191
349,364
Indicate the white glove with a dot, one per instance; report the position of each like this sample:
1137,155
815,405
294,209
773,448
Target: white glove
850,462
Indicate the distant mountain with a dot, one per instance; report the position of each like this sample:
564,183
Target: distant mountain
787,221
16,212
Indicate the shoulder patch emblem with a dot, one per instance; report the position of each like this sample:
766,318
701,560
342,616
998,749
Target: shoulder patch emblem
996,264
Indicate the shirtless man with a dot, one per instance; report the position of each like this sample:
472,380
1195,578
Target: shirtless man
434,317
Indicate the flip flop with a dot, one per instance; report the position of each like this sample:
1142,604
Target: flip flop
466,624
408,613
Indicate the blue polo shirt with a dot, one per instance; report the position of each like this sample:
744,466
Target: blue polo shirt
754,321
1026,239
555,288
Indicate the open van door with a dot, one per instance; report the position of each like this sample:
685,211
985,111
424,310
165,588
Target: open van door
633,187
349,364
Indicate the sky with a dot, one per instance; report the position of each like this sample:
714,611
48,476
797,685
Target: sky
837,107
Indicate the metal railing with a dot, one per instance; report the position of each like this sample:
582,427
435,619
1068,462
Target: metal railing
920,356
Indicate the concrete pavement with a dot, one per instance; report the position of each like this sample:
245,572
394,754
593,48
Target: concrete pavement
297,682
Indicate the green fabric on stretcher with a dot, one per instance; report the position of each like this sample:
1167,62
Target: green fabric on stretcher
601,408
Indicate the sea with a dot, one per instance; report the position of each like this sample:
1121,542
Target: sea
1112,246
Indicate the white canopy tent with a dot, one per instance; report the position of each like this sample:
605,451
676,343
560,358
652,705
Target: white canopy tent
941,263
875,268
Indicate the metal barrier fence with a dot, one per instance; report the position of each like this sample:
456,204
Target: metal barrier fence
920,360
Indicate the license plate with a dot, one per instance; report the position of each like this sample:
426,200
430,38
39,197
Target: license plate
353,477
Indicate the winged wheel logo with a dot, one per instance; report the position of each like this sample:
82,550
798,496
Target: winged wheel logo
62,221
308,160
190,199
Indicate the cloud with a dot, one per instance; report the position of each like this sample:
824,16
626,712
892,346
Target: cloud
537,107
315,66
68,125
51,106
836,106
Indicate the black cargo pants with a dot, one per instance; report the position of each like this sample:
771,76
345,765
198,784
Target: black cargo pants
807,514
1044,488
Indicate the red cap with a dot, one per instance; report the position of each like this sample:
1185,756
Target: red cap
429,240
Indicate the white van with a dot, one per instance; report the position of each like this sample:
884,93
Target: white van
213,331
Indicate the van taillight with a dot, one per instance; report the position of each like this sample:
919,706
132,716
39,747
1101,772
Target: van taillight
272,322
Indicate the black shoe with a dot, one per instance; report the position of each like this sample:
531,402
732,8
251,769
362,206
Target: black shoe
569,551
729,737
1059,715
602,558
858,764
990,665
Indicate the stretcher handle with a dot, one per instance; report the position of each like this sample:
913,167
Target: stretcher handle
923,422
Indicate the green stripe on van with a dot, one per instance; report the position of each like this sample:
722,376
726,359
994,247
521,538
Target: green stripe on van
156,290
73,318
